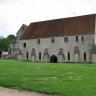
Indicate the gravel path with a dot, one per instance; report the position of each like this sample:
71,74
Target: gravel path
15,92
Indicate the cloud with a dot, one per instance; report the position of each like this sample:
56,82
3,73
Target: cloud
16,12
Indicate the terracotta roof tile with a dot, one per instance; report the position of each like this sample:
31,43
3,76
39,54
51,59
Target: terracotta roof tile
61,27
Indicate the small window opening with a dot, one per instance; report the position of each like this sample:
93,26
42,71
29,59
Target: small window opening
68,56
76,38
24,45
52,40
39,55
66,39
84,56
38,41
82,38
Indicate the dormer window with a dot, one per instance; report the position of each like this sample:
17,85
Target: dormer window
52,40
38,41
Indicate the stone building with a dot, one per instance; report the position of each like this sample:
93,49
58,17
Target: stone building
71,39
14,49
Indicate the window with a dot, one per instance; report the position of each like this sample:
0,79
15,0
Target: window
68,56
66,39
76,38
39,55
82,38
84,56
24,44
46,51
27,55
60,51
52,40
38,41
76,50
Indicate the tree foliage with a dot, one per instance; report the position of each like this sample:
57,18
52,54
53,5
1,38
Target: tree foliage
11,37
4,44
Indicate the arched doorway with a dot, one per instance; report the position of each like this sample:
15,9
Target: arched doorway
53,59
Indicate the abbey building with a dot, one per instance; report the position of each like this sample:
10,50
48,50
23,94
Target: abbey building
71,39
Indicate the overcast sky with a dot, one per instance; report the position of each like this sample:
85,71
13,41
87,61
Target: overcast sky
14,13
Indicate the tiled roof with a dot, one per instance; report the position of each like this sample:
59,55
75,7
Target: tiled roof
80,25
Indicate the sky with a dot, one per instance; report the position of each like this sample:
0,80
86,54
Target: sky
14,13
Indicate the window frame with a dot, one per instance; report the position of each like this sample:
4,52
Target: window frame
38,41
52,40
65,39
24,45
68,56
27,55
39,55
77,39
82,38
85,56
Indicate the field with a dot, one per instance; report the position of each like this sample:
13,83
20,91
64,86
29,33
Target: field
59,78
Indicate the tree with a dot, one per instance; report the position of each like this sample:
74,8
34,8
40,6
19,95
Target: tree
11,37
4,44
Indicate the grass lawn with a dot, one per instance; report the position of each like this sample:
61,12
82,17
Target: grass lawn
63,79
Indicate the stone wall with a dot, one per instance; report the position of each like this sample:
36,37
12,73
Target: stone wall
94,58
53,48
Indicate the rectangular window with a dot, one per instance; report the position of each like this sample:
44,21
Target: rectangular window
84,56
39,55
82,38
38,41
68,56
52,40
76,49
76,38
24,44
66,39
27,55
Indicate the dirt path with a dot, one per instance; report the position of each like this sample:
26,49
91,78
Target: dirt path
15,92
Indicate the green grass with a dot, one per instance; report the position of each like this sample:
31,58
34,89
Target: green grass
63,79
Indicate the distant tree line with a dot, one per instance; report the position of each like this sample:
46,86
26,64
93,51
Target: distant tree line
5,42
